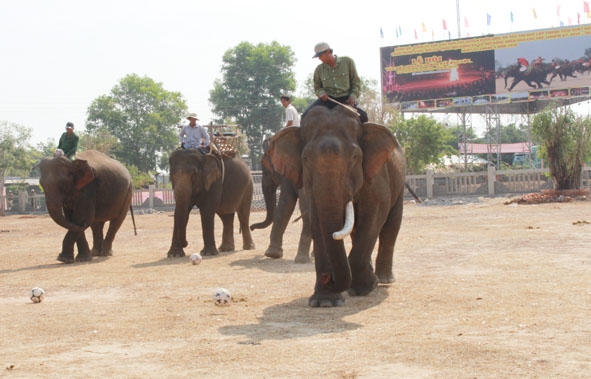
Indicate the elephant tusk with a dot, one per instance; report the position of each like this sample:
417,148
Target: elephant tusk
349,221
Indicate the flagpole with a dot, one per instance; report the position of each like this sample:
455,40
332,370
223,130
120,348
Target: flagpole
458,17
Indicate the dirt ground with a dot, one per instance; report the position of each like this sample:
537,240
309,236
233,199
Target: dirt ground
485,289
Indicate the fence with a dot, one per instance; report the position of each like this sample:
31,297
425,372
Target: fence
431,185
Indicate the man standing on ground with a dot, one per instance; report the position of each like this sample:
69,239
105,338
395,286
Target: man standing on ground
336,77
292,118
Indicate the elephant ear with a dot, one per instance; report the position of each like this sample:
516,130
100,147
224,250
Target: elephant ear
377,143
83,174
210,172
285,151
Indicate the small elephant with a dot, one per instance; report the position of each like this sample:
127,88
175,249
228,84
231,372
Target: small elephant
88,191
216,186
353,175
279,213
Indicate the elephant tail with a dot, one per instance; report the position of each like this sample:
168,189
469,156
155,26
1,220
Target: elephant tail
132,219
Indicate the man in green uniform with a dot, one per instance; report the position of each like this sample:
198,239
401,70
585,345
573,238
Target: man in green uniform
69,141
335,78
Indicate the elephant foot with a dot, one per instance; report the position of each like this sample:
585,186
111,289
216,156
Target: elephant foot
326,300
248,246
213,251
363,288
387,278
176,253
225,248
274,252
95,252
301,258
66,258
84,257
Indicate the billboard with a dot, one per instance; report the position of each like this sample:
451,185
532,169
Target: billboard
494,69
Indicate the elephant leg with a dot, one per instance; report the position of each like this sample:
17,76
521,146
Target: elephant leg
67,253
97,238
243,220
179,233
287,200
303,255
388,236
114,226
207,227
363,278
84,254
227,232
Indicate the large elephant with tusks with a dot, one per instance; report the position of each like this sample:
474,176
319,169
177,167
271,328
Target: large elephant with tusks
353,175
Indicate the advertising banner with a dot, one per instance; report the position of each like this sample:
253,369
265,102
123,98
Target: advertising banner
493,69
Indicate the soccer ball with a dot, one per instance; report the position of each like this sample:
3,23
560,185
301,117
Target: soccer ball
195,259
221,296
37,294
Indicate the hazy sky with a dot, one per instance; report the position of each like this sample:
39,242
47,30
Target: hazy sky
57,56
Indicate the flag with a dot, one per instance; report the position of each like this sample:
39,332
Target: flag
561,24
570,21
381,33
578,18
448,34
400,30
432,34
586,6
416,35
466,22
444,25
511,16
397,33
488,17
424,27
558,10
535,14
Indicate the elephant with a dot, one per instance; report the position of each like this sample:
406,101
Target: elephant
564,70
536,74
216,185
353,175
88,191
279,214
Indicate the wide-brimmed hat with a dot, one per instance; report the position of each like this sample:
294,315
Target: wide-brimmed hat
192,115
320,48
69,125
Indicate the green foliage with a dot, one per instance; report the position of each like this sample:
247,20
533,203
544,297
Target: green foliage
425,141
143,118
565,139
139,179
14,145
100,139
253,79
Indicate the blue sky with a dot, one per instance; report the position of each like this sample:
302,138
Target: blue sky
59,55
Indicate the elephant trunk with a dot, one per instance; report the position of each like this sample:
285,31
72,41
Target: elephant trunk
339,279
55,212
270,194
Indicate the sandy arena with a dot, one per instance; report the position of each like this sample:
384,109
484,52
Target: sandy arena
484,290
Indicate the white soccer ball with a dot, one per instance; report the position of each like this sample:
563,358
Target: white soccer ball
221,296
37,294
195,259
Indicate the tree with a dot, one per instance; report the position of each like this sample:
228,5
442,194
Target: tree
565,140
143,116
14,144
424,140
253,80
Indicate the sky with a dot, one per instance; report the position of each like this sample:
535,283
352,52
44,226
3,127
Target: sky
57,56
